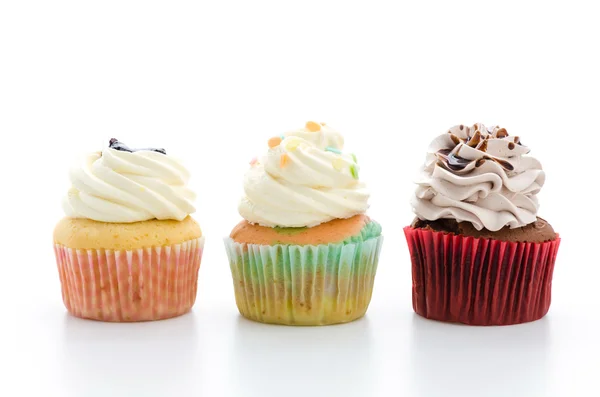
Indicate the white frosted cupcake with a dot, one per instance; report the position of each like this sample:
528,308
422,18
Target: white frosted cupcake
127,249
305,253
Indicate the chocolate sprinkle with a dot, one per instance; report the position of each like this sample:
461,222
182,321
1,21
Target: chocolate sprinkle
511,145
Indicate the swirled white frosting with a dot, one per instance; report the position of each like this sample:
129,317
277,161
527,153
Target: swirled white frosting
304,180
479,175
124,187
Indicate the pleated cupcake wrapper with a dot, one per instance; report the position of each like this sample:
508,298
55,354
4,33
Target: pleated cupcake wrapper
480,281
130,285
303,285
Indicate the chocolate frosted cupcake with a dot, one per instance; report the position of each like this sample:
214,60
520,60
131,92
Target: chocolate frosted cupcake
127,249
306,254
480,254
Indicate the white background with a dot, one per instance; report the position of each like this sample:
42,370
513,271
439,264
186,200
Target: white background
211,82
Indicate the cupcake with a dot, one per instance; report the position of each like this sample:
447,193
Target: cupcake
480,254
305,253
128,249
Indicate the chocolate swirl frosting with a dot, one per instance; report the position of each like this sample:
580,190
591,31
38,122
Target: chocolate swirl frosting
479,175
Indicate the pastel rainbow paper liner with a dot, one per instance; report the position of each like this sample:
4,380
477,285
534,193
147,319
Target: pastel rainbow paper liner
480,281
144,284
303,285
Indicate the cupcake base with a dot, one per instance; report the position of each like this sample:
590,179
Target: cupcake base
480,281
130,285
303,285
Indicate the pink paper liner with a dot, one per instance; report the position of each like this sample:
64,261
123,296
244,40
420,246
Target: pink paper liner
145,284
480,281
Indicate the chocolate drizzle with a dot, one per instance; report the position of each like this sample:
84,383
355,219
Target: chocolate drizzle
116,145
452,161
505,164
457,163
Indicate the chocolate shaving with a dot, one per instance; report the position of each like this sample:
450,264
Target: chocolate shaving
474,141
483,146
501,133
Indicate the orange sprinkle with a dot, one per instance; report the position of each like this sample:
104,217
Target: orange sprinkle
275,141
323,124
313,127
284,160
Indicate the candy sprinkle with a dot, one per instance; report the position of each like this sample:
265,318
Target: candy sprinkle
275,141
292,144
253,161
338,164
332,150
354,158
284,160
313,127
354,171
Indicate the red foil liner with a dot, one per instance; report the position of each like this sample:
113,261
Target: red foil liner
480,281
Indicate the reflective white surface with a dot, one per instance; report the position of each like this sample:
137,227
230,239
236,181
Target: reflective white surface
214,351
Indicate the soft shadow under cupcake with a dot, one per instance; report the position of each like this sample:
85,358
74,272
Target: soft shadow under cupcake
293,361
479,361
139,358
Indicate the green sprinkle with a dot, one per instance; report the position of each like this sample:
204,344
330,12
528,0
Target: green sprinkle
354,171
354,157
332,150
290,231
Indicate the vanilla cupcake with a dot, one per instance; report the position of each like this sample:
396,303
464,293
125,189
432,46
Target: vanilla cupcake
305,253
128,249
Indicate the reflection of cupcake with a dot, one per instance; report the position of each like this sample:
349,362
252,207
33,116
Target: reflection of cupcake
480,255
128,249
305,254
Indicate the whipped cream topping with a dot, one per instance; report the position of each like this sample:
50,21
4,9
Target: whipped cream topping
304,180
479,175
123,186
